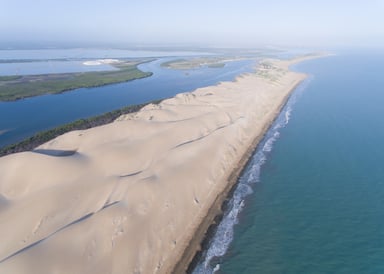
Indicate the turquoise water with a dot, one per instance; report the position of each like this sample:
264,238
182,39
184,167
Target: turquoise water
312,199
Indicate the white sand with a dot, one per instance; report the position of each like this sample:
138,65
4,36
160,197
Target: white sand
130,198
101,62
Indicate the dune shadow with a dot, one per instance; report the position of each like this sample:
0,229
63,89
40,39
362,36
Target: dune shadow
3,202
55,152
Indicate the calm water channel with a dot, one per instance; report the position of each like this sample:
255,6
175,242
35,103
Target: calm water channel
23,118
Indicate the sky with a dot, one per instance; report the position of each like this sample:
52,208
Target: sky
313,23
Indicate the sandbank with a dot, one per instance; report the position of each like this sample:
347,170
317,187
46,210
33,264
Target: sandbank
135,195
100,62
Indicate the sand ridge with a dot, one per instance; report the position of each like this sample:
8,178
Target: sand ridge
128,197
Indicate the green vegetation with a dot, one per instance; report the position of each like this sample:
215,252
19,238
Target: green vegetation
270,72
45,136
169,64
196,62
10,78
19,87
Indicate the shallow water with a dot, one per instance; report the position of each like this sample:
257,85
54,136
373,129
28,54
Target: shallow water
317,187
49,67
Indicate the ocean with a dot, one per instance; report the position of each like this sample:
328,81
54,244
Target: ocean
311,200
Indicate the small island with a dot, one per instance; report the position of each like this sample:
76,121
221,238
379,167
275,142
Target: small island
192,63
22,86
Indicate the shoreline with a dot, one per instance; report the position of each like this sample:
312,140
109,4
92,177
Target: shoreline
187,261
42,137
141,191
207,228
19,87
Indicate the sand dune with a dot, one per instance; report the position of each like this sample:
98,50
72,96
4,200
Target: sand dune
128,197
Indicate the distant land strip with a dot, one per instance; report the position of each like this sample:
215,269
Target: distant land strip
7,61
45,136
193,63
17,87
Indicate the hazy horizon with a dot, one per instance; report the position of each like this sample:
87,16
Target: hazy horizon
199,23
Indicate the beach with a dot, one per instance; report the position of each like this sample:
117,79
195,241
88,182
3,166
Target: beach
136,195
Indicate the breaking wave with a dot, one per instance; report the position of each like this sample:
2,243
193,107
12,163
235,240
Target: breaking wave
223,236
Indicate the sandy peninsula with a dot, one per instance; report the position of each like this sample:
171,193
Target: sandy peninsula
136,195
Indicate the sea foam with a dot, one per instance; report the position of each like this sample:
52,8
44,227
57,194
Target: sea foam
223,236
